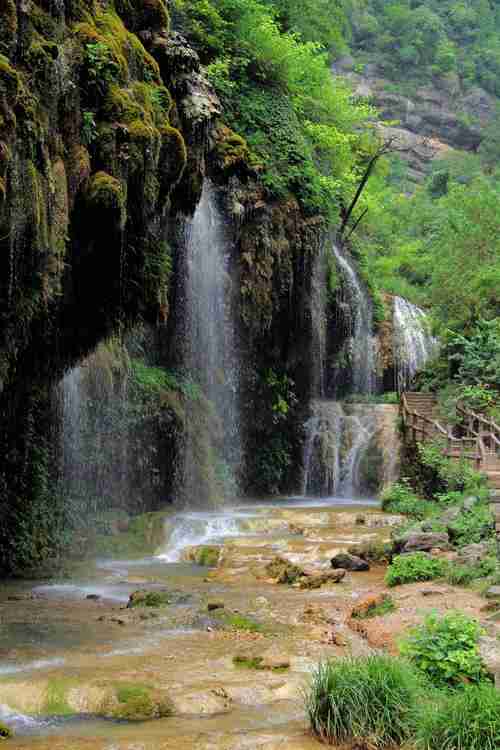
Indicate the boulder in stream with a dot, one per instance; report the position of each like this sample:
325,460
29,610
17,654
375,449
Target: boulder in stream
349,562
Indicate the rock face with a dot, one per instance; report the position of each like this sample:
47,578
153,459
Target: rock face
96,132
432,119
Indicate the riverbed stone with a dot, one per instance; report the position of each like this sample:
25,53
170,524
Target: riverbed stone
349,562
317,580
493,592
489,651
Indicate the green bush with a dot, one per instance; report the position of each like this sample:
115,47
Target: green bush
462,575
369,699
445,649
464,720
412,568
400,498
473,526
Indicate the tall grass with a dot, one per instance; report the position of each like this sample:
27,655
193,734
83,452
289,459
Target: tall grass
468,719
371,699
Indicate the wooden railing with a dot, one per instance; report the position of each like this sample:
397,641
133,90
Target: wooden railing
421,428
484,428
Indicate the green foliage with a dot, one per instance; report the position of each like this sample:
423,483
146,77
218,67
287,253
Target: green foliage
89,128
368,700
452,475
56,701
413,568
400,498
240,622
445,649
266,60
102,68
473,526
466,720
463,575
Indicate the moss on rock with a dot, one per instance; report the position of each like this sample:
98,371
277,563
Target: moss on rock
5,732
105,194
136,702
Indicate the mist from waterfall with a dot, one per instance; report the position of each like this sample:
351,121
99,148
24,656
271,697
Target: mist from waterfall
413,343
210,348
362,344
95,448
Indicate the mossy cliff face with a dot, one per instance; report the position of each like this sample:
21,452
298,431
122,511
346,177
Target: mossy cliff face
276,250
104,118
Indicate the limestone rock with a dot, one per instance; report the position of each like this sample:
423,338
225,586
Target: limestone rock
473,553
349,562
422,541
493,592
319,579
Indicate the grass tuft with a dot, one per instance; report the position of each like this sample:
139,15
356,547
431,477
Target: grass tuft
370,699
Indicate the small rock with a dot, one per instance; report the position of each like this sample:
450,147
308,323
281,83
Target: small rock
211,606
493,592
349,562
369,603
432,592
470,503
261,601
93,597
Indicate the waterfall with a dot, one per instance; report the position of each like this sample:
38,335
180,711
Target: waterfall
351,450
94,435
413,343
362,343
319,299
210,346
322,449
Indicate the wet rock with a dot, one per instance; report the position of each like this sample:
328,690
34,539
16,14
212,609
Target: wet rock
372,551
421,541
369,606
317,580
283,571
207,555
349,562
205,622
213,605
493,592
489,651
93,597
208,702
433,592
450,516
473,553
5,732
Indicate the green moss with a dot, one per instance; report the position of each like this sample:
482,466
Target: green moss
119,105
56,702
232,150
9,80
5,732
106,193
138,702
283,571
173,157
240,622
207,555
8,27
257,663
149,599
143,14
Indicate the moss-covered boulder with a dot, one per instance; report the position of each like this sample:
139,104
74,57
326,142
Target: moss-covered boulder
136,702
5,732
149,599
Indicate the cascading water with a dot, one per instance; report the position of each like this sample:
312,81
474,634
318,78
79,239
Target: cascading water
94,435
413,343
362,343
210,349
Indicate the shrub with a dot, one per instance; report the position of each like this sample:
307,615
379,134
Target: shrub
399,498
464,720
370,699
473,526
412,568
445,649
462,575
